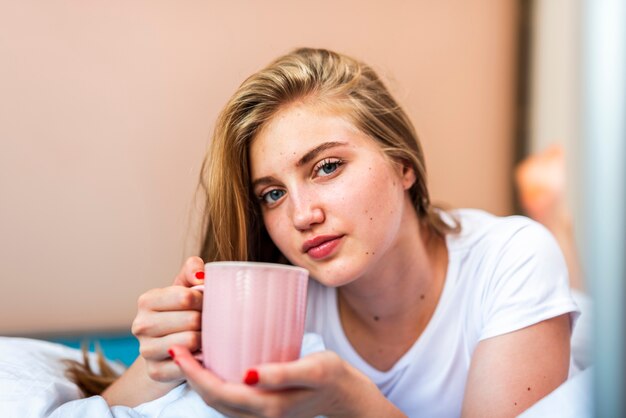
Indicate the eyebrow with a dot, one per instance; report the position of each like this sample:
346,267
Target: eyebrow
315,151
310,155
263,181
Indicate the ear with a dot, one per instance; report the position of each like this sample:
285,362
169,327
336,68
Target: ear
408,175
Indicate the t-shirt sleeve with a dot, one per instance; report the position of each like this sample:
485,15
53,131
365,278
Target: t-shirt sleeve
529,283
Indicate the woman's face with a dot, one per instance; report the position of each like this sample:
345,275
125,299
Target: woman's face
331,201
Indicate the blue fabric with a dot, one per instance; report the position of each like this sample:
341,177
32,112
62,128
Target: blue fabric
122,347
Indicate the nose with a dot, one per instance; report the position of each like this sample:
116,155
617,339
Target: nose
306,212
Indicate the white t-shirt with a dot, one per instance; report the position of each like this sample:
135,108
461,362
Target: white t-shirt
504,274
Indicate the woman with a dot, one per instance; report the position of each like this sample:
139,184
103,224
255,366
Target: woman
423,312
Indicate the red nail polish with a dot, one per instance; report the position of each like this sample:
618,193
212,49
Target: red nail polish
200,275
252,377
171,353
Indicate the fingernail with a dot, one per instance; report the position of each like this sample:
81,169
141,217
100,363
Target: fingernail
252,377
200,275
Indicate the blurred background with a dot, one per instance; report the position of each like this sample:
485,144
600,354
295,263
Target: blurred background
106,109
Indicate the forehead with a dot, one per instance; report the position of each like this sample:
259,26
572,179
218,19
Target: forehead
298,128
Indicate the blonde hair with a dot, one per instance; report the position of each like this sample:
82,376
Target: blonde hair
231,222
232,225
89,380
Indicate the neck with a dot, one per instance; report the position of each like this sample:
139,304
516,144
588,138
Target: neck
404,288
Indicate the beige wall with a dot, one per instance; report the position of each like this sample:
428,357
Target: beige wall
556,95
106,108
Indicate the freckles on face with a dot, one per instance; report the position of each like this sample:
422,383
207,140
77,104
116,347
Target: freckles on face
317,175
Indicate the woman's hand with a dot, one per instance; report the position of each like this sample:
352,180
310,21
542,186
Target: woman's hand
168,316
165,316
318,384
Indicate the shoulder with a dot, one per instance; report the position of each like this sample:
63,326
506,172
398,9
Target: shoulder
506,248
500,236
513,267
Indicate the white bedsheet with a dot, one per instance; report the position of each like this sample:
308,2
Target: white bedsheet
180,402
33,385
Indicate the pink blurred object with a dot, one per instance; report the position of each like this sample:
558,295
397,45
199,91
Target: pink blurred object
541,183
252,313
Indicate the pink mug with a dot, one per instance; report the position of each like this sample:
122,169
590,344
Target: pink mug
252,313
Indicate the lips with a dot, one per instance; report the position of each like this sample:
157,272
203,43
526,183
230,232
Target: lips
321,246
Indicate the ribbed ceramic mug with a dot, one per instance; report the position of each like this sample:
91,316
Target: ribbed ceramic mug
252,313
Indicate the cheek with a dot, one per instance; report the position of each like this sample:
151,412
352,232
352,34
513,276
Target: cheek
376,213
278,228
373,200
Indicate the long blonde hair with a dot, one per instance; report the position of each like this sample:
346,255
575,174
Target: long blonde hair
231,222
232,225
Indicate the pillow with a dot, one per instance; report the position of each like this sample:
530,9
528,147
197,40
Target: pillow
32,376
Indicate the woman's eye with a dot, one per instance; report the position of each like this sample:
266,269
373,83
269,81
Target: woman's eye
272,196
327,167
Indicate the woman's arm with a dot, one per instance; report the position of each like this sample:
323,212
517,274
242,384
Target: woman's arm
135,386
511,372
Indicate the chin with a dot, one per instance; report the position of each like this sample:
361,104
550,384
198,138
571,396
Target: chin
334,273
330,282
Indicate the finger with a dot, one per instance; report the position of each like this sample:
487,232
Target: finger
171,298
191,274
157,348
311,371
159,324
192,368
213,390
